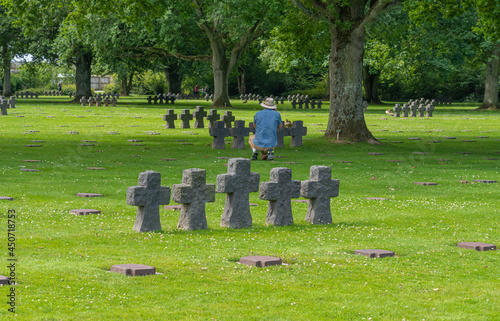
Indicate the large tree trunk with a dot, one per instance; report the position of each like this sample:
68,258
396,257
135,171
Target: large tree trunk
7,89
126,84
242,86
82,76
490,100
173,77
220,67
370,84
346,93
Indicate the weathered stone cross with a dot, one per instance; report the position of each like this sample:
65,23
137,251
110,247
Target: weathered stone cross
319,189
239,132
219,132
237,184
4,105
193,193
83,100
148,196
170,117
198,115
185,116
279,191
297,131
228,118
212,116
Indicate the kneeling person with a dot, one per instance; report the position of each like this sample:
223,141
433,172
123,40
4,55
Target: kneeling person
266,123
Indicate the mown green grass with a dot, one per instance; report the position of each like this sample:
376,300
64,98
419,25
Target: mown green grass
64,260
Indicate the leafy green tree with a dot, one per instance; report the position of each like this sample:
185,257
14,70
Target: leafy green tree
347,21
11,44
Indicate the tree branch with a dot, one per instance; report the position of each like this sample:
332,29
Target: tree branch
308,12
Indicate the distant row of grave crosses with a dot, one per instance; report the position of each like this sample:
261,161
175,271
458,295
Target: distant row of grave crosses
219,130
300,101
424,108
237,184
98,101
162,98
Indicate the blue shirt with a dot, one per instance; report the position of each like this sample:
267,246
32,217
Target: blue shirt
266,127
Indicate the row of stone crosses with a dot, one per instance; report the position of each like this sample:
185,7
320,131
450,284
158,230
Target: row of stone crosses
422,106
219,130
6,104
160,98
110,96
237,184
98,101
297,100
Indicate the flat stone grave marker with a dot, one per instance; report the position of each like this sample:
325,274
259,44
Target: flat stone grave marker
422,153
133,269
86,144
482,137
168,159
376,154
95,168
395,160
449,137
374,253
84,211
223,157
396,142
173,207
6,198
414,138
30,170
260,261
32,145
279,191
341,161
484,181
148,196
38,141
134,140
193,193
237,184
88,195
444,160
114,133
32,161
378,198
319,189
73,133
425,183
464,153
89,141
476,246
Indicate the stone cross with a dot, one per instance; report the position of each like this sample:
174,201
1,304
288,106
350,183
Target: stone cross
160,97
212,116
169,117
397,110
193,193
313,104
219,132
228,118
113,102
238,183
279,191
301,103
91,101
281,133
405,110
319,103
185,116
429,109
98,101
12,102
83,100
106,101
198,115
4,105
149,100
297,131
319,189
413,110
421,110
239,132
155,100
148,196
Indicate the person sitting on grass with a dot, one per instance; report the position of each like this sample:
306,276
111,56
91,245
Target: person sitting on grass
266,123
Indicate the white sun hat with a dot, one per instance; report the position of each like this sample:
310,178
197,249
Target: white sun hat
269,103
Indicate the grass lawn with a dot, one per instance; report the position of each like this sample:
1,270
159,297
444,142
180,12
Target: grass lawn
63,263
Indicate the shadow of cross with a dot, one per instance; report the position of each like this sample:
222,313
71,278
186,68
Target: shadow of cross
297,131
198,115
238,133
219,132
185,116
228,118
238,183
193,193
319,189
148,196
212,117
170,117
279,191
4,105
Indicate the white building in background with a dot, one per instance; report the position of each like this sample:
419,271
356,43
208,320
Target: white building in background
98,82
